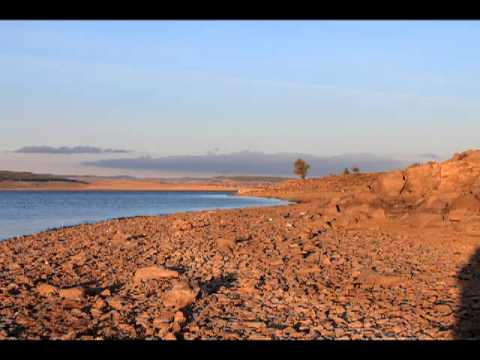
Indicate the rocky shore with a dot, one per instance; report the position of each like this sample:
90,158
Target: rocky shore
365,256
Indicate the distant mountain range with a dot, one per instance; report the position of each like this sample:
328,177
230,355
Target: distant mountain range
252,163
68,150
28,176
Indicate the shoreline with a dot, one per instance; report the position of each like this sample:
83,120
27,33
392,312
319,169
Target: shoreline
355,259
231,193
114,187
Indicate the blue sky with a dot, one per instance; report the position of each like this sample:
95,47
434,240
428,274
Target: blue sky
184,87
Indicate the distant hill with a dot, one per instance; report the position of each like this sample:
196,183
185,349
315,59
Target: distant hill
31,177
252,163
223,179
252,178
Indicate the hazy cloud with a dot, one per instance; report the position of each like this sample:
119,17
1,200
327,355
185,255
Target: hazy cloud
430,156
251,163
68,150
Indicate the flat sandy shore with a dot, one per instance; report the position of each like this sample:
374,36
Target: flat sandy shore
115,185
368,256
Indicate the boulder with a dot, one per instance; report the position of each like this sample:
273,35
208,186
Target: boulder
423,179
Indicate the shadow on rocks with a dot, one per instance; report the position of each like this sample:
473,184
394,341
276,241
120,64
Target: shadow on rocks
468,313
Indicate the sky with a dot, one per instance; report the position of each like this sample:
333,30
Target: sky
189,87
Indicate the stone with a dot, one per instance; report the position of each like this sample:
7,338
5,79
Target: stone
169,336
179,296
46,290
392,183
154,273
127,329
179,318
78,259
181,225
457,215
71,335
99,304
105,293
115,303
72,293
164,317
225,243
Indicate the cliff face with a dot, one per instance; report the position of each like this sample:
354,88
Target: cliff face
450,189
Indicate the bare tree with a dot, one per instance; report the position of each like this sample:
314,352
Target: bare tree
300,168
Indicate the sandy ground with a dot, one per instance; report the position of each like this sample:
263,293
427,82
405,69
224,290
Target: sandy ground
367,256
115,185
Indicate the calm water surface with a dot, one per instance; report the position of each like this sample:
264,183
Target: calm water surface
27,212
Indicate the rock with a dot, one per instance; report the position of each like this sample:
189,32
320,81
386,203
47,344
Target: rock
127,329
72,293
154,273
179,318
22,279
105,293
457,215
326,261
180,296
12,288
443,309
71,335
164,317
392,183
99,304
169,336
377,214
78,259
369,279
225,243
115,303
119,238
46,290
181,225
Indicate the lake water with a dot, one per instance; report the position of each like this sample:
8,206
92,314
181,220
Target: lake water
27,212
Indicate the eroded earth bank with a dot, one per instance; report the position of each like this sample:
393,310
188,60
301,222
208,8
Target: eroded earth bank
365,256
